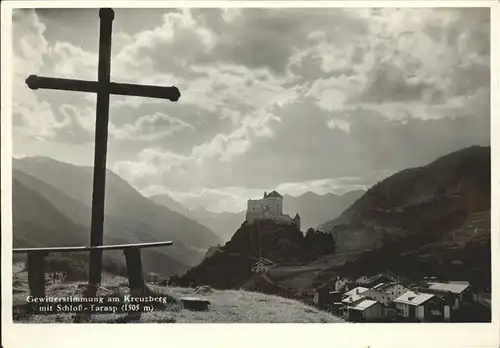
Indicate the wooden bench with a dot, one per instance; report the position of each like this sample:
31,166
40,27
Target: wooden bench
36,267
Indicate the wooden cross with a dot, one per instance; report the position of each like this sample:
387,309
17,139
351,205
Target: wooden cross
103,87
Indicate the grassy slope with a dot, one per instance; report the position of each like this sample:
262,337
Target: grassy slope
230,306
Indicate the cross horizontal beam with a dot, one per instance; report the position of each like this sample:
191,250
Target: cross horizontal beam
88,248
41,82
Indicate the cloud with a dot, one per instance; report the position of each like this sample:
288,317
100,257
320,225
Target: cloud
33,116
170,47
30,116
30,45
69,61
152,127
232,199
77,126
400,55
223,147
275,34
426,55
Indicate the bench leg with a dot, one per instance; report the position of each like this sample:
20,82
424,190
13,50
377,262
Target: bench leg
134,268
135,277
36,273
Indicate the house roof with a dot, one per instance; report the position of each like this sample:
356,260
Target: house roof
353,298
451,287
358,290
361,306
274,193
413,298
385,287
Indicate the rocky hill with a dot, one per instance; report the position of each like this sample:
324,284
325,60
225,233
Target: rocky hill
231,266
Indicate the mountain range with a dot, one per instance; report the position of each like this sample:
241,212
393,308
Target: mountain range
314,210
53,188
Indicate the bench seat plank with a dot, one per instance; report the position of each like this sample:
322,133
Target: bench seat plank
88,248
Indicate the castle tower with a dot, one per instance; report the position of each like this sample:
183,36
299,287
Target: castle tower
296,220
275,202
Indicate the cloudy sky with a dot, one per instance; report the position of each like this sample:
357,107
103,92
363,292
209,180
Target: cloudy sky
326,100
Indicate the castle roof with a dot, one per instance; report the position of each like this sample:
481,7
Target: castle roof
274,193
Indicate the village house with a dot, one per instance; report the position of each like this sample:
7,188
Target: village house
460,292
356,291
364,309
350,299
270,207
418,306
386,292
348,302
378,295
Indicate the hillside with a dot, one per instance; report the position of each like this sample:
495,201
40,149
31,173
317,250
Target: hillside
428,220
44,217
314,209
229,306
438,197
136,214
167,201
36,221
231,266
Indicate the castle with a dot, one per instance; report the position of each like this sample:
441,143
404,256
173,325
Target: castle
269,208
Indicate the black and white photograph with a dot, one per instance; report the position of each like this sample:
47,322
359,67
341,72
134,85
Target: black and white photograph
250,165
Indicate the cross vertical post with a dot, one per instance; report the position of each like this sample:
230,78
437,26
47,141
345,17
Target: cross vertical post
106,16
